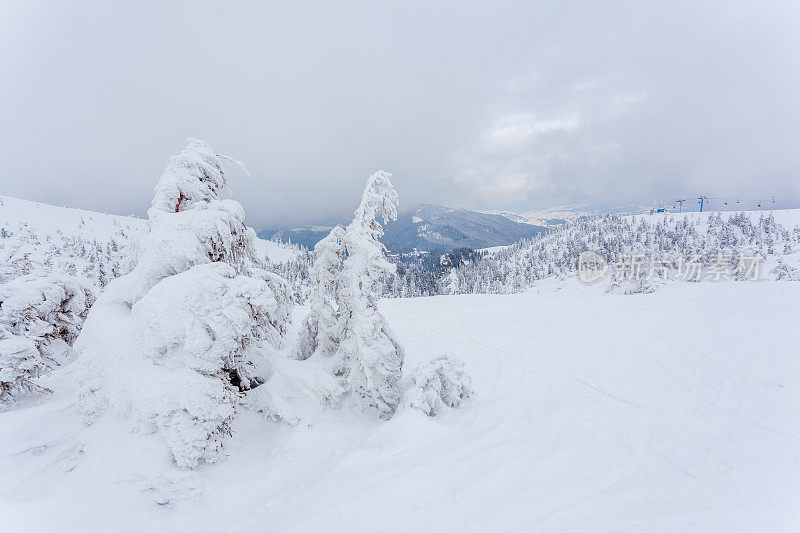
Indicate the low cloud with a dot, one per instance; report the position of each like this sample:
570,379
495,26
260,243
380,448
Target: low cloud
487,105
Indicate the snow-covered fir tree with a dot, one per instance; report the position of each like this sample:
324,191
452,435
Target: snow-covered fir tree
320,332
345,331
370,358
171,344
344,324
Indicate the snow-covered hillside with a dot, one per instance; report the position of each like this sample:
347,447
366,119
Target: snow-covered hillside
70,221
88,244
671,411
42,238
658,247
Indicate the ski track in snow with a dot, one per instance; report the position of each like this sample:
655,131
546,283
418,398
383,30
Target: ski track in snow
676,410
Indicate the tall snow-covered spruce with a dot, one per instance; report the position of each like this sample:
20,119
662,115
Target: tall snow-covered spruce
344,328
170,345
370,357
345,332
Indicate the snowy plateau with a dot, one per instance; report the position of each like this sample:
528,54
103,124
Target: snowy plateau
671,409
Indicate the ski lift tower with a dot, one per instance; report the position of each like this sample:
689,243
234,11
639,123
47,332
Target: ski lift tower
680,202
662,206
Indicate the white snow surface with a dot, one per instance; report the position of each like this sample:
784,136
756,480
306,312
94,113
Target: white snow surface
670,411
51,218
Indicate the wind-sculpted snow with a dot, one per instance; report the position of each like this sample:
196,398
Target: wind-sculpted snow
212,231
191,329
205,315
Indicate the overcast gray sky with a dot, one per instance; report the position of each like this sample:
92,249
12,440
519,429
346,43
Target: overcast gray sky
477,104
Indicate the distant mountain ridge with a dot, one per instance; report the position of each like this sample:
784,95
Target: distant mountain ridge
556,216
430,227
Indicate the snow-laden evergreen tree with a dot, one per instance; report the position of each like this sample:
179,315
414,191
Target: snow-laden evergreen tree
450,283
369,358
345,330
320,332
189,225
170,345
36,311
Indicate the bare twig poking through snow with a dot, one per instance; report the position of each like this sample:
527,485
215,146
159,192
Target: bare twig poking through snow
237,163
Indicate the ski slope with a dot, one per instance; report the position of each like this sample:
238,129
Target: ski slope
671,411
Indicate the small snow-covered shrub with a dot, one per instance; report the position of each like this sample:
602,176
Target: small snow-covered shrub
20,364
438,383
35,311
635,285
784,272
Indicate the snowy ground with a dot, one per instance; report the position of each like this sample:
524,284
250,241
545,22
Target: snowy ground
672,411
